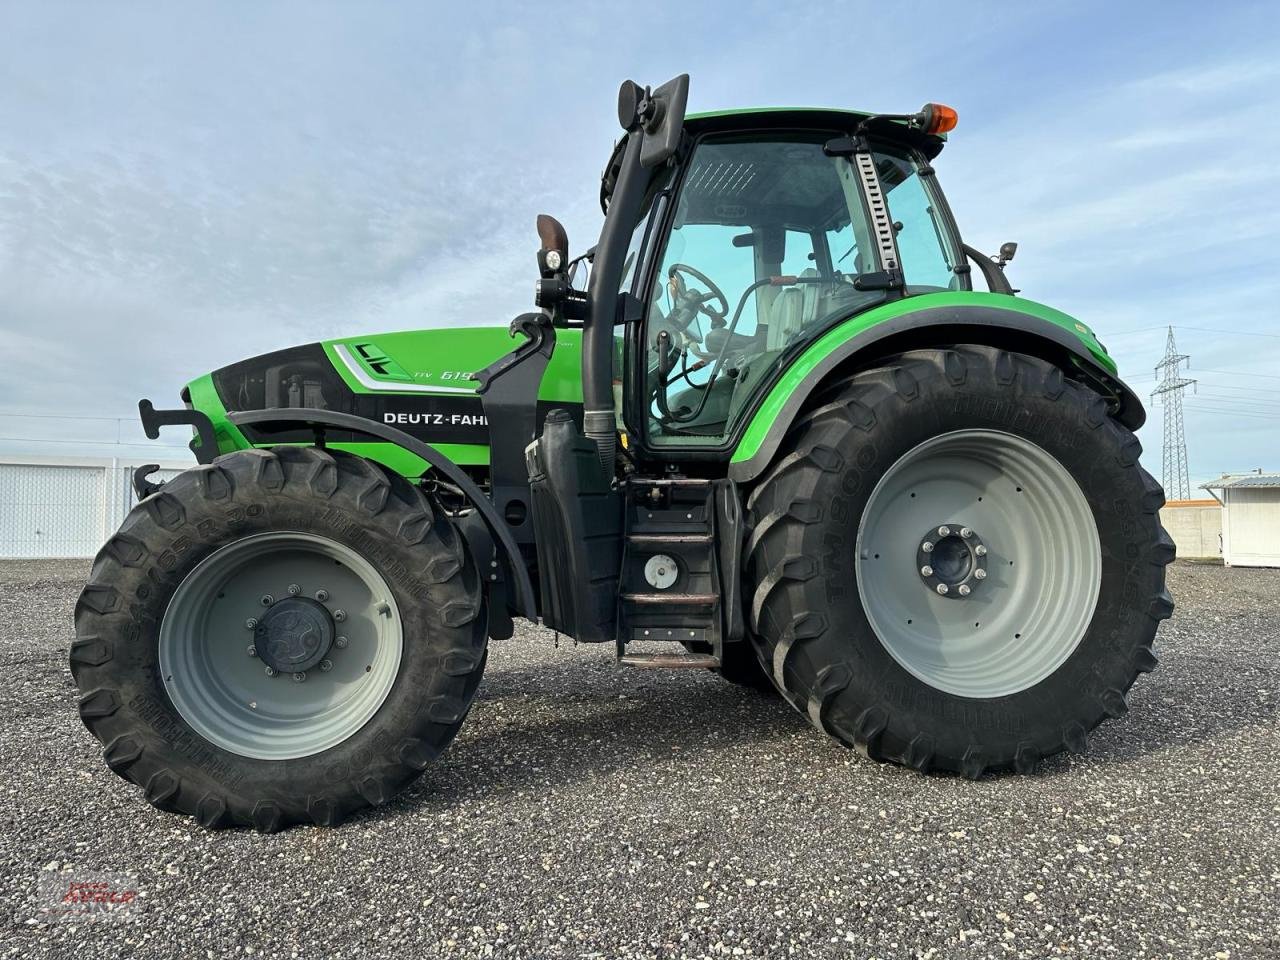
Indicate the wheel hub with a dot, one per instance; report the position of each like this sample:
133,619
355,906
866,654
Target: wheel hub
951,559
294,635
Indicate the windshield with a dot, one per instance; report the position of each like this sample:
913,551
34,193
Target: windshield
769,240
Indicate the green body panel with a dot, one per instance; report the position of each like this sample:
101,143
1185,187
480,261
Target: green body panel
442,358
445,357
795,374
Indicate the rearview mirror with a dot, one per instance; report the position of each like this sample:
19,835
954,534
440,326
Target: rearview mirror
658,115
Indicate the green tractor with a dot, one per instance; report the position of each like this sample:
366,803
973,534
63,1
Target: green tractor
765,426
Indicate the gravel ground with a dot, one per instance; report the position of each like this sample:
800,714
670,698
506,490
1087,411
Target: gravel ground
591,811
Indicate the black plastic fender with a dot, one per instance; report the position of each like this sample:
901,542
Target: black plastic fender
318,420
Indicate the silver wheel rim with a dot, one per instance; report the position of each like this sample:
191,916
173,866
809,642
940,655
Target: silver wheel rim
225,692
1041,569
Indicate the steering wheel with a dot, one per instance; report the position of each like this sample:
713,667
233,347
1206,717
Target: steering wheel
687,304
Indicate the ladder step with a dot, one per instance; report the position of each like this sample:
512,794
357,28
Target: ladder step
670,538
658,661
670,482
675,599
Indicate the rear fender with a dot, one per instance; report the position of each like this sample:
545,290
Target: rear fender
848,347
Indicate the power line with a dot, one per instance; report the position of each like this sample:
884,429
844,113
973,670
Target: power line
68,416
1183,326
95,443
1233,412
1241,373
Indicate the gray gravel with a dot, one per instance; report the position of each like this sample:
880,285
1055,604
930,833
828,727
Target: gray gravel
591,811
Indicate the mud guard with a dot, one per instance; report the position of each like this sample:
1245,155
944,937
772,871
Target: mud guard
926,327
319,420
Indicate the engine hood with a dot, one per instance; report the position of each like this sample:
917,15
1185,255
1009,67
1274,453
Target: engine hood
417,380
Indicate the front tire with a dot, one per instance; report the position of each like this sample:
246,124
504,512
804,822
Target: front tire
282,636
899,636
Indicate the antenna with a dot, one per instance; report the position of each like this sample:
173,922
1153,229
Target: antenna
1169,389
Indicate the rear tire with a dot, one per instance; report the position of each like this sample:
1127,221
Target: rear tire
880,663
175,706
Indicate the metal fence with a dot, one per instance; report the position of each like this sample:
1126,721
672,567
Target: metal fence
66,506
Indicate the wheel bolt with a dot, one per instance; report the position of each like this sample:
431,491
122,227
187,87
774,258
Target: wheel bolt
252,651
299,677
980,574
341,643
339,615
927,546
964,590
943,589
966,532
322,595
268,599
271,671
251,623
944,531
926,571
294,589
326,666
980,550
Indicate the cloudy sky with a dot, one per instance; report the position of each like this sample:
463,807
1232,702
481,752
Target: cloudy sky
182,186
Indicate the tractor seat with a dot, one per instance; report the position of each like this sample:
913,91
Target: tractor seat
786,317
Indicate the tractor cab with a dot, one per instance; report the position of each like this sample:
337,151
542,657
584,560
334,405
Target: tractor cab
758,241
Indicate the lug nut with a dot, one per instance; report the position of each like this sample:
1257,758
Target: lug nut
926,571
966,532
942,589
927,546
252,651
980,574
299,677
294,589
268,599
980,550
339,615
944,531
251,623
964,590
326,666
341,643
322,595
271,671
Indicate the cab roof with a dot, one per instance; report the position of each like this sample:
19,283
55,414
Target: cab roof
809,118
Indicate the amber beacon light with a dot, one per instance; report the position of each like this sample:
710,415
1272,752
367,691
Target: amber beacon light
937,118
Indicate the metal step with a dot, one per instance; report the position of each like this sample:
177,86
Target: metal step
670,661
661,538
674,599
669,482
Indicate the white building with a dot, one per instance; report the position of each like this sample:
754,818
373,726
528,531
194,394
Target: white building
1250,518
66,506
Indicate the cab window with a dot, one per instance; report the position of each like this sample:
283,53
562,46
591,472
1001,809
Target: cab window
747,273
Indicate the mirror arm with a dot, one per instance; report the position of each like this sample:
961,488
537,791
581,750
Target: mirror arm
997,282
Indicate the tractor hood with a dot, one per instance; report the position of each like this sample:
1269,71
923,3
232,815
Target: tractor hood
417,381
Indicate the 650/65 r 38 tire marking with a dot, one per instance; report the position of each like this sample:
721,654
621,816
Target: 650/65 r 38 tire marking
321,510
936,668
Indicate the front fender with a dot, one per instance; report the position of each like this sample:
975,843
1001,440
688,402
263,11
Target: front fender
320,420
922,321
